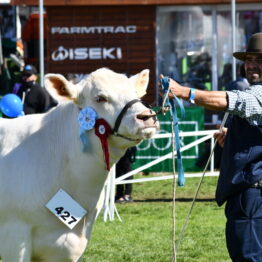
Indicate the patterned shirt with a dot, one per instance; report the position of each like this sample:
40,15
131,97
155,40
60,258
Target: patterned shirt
247,104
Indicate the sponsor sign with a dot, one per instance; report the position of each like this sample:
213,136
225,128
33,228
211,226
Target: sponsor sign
84,53
129,29
83,39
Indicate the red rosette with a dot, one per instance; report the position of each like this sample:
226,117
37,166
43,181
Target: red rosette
103,130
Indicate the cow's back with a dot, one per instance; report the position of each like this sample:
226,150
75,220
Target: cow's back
14,131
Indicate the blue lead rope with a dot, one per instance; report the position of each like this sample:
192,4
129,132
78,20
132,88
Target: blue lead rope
168,102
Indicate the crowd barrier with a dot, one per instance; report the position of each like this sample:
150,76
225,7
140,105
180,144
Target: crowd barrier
109,203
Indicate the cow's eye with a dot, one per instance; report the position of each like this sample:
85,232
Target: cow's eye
101,99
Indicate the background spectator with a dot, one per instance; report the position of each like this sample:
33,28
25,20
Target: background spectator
241,82
34,97
123,166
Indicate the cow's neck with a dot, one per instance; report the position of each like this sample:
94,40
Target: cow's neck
85,171
116,153
81,174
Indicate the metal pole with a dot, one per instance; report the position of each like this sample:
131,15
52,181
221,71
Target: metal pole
41,42
233,18
1,52
214,58
214,50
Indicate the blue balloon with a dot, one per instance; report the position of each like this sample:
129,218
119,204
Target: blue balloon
11,105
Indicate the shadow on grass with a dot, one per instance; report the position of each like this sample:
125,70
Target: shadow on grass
171,200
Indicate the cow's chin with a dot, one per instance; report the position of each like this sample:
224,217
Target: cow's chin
140,135
147,132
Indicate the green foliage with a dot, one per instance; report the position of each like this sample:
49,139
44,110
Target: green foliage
146,233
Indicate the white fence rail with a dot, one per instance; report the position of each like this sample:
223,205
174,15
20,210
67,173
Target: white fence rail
109,204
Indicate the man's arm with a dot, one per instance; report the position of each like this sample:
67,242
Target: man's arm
213,100
245,104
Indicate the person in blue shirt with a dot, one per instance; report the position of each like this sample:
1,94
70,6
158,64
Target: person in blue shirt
241,83
240,180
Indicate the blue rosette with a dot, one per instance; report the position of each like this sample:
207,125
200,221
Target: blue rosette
87,120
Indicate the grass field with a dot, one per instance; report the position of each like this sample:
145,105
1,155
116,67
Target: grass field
146,231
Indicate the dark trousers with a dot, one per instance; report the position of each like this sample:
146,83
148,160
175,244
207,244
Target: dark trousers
121,169
123,189
244,226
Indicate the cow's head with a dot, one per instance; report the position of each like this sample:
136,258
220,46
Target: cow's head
109,93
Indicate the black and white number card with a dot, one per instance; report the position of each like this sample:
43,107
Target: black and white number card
66,209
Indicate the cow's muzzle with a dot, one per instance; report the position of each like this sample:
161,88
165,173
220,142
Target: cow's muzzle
143,116
147,115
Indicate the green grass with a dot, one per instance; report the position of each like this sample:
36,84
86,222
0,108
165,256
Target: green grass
146,233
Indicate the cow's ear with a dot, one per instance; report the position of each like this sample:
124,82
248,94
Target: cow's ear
141,82
60,88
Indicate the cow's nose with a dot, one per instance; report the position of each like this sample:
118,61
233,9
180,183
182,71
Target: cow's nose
147,115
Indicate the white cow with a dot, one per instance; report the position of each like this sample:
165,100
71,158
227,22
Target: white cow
42,153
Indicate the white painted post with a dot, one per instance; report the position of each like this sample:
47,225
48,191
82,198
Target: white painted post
109,204
106,202
112,192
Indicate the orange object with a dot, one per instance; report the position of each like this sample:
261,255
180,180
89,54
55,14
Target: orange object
31,28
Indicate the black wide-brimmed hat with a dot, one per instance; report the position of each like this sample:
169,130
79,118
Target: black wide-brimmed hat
254,47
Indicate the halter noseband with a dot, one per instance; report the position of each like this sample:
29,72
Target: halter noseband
120,117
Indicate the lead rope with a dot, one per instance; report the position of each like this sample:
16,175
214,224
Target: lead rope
181,235
174,195
166,90
175,146
167,103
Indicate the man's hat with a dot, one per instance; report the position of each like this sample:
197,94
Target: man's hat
254,47
29,70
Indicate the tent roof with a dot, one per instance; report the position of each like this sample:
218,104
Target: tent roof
124,2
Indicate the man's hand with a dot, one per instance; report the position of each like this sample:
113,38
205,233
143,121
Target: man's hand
212,100
177,89
220,136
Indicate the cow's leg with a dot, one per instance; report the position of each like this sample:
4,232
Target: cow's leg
16,244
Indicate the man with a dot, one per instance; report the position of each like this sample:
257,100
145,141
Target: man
240,180
34,97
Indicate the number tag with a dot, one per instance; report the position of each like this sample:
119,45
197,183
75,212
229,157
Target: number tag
64,207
